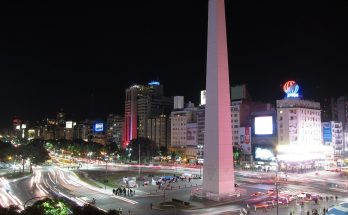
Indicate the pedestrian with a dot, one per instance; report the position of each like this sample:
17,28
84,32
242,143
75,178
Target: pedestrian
129,213
151,205
113,191
336,197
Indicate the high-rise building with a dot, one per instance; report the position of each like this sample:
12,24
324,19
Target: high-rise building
158,130
339,108
16,127
83,131
179,121
333,136
114,124
61,118
143,102
299,122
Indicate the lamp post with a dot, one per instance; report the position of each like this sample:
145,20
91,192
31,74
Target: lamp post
106,167
200,147
139,159
276,183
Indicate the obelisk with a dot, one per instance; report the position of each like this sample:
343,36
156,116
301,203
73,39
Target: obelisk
218,178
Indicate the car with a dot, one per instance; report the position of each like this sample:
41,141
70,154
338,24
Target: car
257,194
265,205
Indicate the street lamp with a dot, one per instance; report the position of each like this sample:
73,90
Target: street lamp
129,152
106,167
139,158
276,183
200,147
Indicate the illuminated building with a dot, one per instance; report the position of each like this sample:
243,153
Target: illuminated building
241,109
69,130
61,118
299,126
143,102
299,122
16,125
333,136
114,124
158,130
179,120
83,130
264,138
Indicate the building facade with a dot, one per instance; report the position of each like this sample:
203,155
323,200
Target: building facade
143,102
299,122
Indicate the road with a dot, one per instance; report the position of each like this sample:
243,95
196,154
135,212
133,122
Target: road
54,181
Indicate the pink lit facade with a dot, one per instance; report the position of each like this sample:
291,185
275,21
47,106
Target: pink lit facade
218,179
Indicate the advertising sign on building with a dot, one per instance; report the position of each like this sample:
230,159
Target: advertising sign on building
327,132
68,124
245,139
98,127
191,137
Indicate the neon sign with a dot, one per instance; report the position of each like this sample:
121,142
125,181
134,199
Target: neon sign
98,127
154,83
291,89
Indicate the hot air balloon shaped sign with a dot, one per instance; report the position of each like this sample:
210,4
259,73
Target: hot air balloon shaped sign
291,89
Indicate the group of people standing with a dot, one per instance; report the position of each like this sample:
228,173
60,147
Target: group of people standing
125,191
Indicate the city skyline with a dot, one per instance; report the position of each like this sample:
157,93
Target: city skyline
82,57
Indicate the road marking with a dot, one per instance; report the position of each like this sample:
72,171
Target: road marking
125,199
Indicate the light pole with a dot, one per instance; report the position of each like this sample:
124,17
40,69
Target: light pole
139,159
106,167
276,183
200,147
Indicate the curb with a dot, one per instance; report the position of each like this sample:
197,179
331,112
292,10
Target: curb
215,205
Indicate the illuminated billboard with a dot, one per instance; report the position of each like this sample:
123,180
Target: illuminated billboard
291,89
327,132
263,125
192,131
264,153
245,139
68,124
203,97
98,127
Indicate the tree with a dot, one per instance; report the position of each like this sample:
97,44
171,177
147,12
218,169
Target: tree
148,149
34,151
12,210
7,150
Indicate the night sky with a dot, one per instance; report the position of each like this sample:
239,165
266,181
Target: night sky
79,56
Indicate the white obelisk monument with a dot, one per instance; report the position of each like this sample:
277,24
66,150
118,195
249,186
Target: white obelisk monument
218,178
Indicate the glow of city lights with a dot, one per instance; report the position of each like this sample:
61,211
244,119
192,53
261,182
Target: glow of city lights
302,152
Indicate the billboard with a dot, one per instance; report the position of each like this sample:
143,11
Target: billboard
264,153
98,127
203,97
191,134
68,124
291,89
327,132
263,125
245,139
